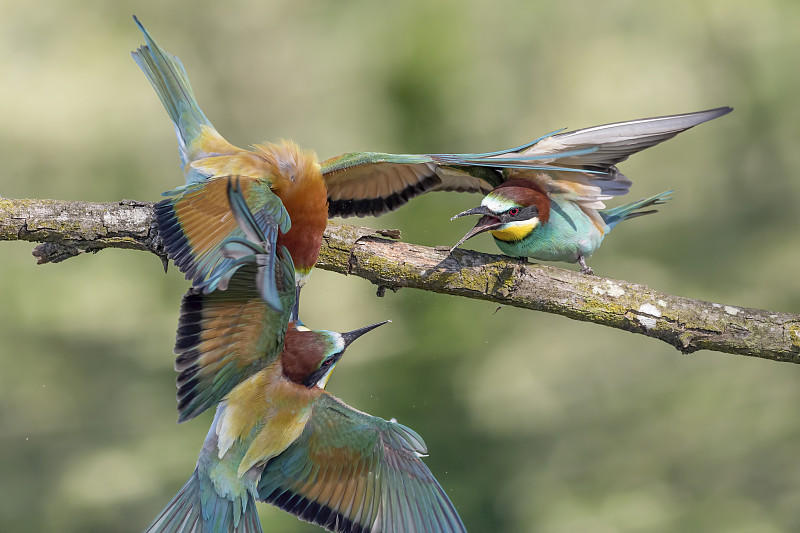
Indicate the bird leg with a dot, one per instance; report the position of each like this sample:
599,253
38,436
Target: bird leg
585,269
295,316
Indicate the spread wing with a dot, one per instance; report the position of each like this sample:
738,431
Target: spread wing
371,183
225,336
618,141
352,472
194,224
595,177
579,164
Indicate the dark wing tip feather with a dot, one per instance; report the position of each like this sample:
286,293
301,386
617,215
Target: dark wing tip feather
378,206
313,512
187,391
185,359
175,242
186,374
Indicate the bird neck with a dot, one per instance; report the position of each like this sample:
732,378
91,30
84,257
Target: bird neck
261,416
515,231
302,353
300,187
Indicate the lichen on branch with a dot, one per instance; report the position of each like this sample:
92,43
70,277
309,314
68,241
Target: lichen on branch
67,229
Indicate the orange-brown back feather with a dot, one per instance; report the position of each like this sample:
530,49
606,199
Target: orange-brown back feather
303,193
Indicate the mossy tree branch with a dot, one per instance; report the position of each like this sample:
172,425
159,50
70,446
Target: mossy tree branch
68,229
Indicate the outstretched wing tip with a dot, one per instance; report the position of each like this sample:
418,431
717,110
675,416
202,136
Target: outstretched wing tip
352,472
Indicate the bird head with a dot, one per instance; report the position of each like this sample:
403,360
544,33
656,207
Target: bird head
510,212
309,355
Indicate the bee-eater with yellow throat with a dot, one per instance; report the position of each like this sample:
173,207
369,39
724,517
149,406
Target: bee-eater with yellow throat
284,186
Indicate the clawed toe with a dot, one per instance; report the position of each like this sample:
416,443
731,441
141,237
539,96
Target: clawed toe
585,269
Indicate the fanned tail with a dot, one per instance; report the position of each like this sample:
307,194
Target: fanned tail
615,215
185,514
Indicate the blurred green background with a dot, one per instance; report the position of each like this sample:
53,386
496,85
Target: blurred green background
534,422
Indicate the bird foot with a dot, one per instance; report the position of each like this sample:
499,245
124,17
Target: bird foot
585,269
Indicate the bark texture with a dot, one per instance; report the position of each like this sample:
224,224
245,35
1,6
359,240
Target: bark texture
67,229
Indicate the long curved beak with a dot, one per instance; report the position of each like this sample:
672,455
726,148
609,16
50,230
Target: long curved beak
480,210
487,222
350,336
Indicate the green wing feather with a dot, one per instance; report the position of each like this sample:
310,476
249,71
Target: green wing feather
352,472
373,183
361,184
194,225
224,337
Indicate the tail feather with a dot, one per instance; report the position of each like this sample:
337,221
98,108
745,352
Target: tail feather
187,513
615,215
168,77
182,514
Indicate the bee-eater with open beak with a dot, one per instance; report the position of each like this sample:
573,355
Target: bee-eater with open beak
527,222
277,435
553,216
283,185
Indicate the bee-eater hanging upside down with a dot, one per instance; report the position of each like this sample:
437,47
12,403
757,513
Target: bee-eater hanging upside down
277,435
281,184
286,186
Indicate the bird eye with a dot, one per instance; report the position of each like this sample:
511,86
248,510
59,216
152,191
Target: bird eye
513,211
327,362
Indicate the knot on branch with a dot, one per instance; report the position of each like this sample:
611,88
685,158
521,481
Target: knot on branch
50,252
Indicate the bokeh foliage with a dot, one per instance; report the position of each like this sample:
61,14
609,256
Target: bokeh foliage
534,422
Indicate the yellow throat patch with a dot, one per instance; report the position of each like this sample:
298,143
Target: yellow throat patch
515,231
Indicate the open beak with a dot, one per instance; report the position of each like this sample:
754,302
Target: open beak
350,336
487,222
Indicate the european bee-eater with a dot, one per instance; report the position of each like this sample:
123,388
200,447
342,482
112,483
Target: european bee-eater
279,437
527,222
283,185
553,216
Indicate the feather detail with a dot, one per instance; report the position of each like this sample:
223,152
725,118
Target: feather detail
226,336
579,165
198,508
349,471
277,407
196,135
615,215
